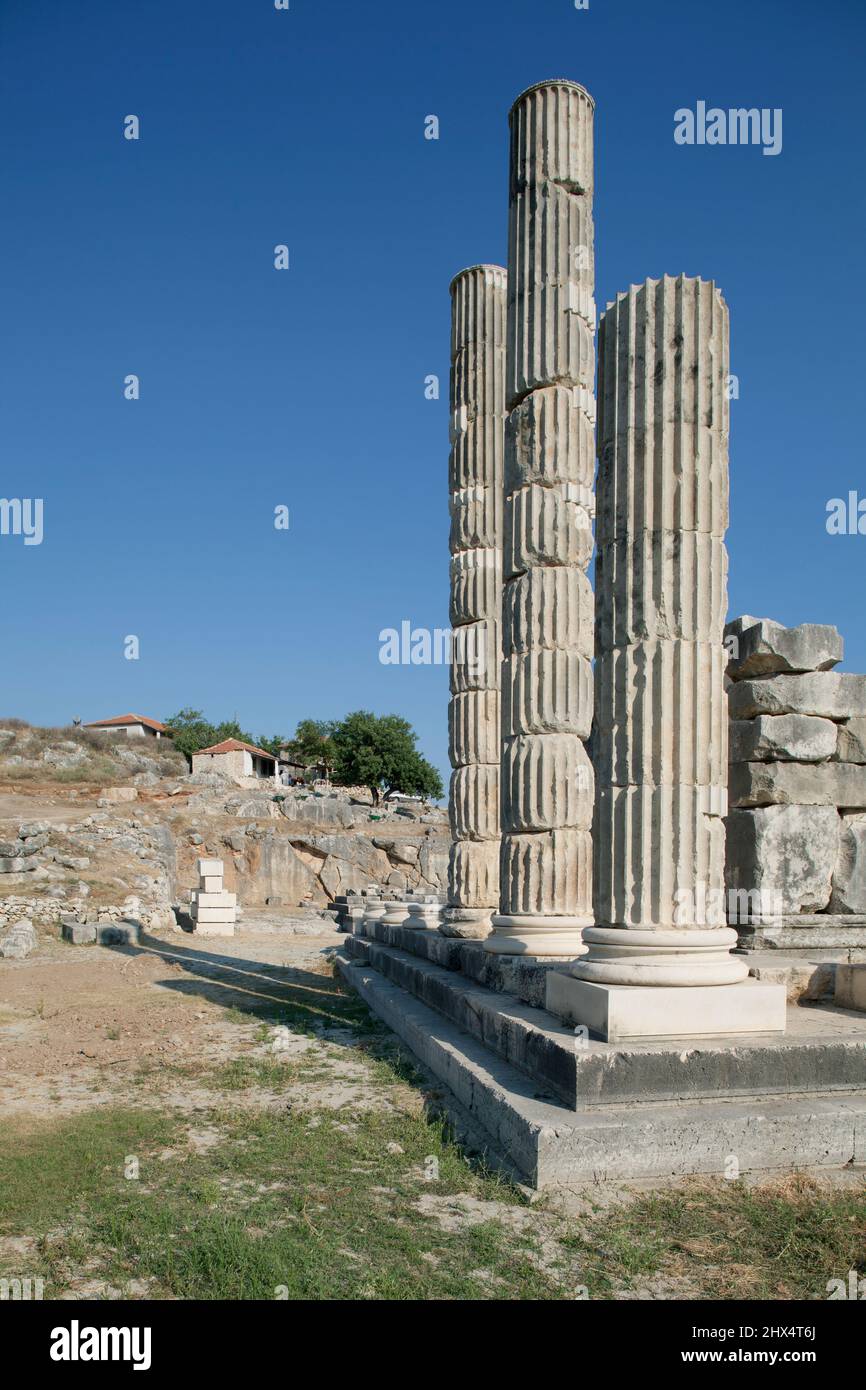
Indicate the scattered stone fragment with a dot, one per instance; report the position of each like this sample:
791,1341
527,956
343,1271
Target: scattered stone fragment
18,942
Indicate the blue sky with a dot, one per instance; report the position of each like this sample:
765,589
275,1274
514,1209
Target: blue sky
306,387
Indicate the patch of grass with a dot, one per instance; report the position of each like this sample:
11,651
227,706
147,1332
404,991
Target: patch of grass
281,1205
779,1240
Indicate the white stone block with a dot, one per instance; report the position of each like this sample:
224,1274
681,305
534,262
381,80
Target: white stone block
619,1013
851,986
210,868
215,899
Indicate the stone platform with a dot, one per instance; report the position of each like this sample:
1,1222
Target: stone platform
563,1110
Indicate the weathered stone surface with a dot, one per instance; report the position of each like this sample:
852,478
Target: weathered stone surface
660,857
663,447
661,585
788,853
546,778
851,746
851,987
849,876
660,739
546,873
78,933
801,784
476,518
122,933
473,728
478,314
661,714
17,865
547,692
476,585
765,648
278,877
827,694
547,782
475,657
474,802
799,738
18,941
546,609
473,873
545,526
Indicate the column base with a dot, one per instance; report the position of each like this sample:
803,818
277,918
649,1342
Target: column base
659,957
472,923
537,936
617,1013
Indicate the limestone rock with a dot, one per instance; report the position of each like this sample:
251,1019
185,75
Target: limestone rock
799,738
788,853
19,941
799,784
827,694
851,747
765,648
849,877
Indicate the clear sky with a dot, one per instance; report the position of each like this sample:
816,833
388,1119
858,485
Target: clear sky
305,387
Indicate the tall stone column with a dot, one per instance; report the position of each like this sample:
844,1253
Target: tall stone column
547,692
661,710
478,303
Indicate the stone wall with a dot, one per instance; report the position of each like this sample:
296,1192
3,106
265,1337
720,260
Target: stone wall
796,828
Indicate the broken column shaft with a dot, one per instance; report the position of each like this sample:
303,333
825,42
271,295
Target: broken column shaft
478,307
547,694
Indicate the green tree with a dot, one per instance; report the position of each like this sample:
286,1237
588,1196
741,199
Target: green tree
193,732
313,744
379,752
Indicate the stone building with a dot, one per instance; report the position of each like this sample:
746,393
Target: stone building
235,759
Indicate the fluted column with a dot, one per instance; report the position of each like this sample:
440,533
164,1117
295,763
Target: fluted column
661,577
547,689
478,304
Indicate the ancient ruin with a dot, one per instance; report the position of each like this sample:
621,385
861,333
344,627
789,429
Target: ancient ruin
631,1013
212,909
476,479
546,775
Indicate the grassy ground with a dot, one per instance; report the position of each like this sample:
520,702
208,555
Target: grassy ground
312,1192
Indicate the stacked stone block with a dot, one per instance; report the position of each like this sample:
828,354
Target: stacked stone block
213,910
546,775
478,297
797,824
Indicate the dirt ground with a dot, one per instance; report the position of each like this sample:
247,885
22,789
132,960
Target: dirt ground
79,1025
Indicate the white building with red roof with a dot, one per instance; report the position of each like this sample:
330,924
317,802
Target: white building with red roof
232,758
131,726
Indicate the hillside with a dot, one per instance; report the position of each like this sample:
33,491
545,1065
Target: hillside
94,824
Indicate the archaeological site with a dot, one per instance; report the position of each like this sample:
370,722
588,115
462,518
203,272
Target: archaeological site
532,965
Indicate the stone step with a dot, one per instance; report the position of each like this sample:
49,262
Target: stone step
551,1146
823,1051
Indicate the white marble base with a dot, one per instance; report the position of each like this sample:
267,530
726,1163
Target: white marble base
616,1013
527,935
